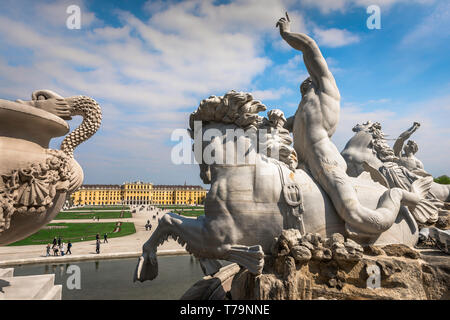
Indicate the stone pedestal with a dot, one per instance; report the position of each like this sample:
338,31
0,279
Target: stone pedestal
38,287
404,274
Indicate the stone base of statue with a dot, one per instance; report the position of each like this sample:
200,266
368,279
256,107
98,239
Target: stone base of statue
38,287
310,268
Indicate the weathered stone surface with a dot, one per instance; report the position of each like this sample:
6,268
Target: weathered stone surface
337,237
323,254
443,222
388,268
401,250
291,236
301,253
352,246
306,244
373,250
436,274
213,287
400,279
282,247
285,278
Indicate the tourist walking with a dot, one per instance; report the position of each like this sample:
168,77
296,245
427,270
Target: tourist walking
62,248
97,246
105,237
59,241
48,250
69,246
54,242
55,250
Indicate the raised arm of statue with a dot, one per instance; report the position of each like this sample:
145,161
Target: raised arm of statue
314,61
398,145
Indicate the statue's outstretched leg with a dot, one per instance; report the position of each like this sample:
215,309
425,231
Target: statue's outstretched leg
363,221
199,241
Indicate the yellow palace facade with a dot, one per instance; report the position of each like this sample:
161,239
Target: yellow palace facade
138,193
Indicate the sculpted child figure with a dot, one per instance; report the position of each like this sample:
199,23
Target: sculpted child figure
408,158
313,125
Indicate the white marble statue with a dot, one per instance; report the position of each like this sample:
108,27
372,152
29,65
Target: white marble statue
250,202
368,151
407,158
313,125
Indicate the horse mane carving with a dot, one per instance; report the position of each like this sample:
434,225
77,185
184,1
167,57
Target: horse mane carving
242,110
379,145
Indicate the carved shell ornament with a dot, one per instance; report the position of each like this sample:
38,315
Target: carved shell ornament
31,190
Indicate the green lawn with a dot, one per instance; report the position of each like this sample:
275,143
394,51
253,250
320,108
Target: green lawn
190,213
102,215
76,232
179,207
88,208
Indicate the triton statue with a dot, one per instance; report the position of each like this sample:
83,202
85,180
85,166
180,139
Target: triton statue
305,187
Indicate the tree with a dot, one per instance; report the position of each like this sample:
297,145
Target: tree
442,179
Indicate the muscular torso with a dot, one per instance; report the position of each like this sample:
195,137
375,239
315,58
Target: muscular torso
315,122
411,162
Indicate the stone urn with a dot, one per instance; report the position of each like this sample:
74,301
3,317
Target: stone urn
35,180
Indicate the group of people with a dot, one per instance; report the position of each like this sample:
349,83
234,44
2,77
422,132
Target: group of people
97,241
59,247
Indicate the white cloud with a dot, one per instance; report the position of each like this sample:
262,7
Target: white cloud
328,6
148,74
270,94
294,70
334,37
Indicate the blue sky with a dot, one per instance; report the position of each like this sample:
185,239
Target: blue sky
149,64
